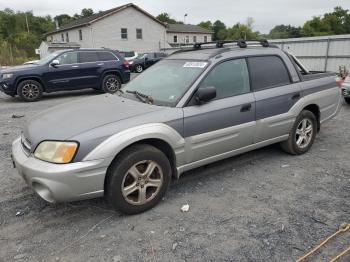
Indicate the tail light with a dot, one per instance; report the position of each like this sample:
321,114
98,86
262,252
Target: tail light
339,82
126,64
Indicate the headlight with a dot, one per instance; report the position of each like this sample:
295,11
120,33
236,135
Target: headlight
7,76
131,62
56,152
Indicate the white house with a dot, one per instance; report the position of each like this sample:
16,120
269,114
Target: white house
126,28
178,34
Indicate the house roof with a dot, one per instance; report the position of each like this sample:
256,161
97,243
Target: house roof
182,28
91,19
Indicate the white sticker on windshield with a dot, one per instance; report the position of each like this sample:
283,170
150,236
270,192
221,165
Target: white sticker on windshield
195,64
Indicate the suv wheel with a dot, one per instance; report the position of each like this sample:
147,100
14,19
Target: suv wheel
138,68
347,100
111,84
138,179
30,90
302,135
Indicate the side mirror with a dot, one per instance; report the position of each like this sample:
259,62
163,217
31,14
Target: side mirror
205,94
55,62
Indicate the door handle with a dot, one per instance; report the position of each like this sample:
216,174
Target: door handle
100,64
75,66
296,96
246,108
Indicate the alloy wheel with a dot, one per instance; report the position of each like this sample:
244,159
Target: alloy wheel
30,91
304,133
142,182
112,84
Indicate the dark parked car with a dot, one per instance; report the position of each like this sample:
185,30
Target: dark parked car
101,69
144,61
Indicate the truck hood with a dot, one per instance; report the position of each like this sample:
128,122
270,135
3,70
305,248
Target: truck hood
68,120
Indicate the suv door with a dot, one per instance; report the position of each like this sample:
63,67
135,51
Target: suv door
275,94
90,68
227,122
65,74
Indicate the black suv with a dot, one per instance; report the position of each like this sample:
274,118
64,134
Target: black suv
145,60
100,69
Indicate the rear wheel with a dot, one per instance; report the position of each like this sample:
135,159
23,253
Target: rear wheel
111,84
30,90
347,100
138,68
302,135
138,179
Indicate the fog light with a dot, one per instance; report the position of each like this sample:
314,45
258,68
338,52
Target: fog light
43,192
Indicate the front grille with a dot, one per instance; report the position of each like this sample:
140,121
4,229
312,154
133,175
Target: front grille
26,145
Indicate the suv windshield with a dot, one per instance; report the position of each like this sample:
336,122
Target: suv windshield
48,58
167,81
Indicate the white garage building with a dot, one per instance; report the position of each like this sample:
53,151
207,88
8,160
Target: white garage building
126,27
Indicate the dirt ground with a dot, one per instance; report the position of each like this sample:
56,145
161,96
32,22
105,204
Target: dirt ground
261,206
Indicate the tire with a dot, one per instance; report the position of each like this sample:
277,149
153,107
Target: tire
111,84
138,68
30,90
347,100
302,135
129,188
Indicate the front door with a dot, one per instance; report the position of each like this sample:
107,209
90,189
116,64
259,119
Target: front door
225,123
64,75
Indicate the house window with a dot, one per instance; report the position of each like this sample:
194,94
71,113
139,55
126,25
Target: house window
205,39
175,38
80,35
194,39
62,37
124,33
138,33
187,39
67,37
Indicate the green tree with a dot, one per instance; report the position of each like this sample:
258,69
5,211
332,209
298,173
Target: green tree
220,31
165,18
284,31
207,25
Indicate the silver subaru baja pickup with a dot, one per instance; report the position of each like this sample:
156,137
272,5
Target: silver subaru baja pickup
195,107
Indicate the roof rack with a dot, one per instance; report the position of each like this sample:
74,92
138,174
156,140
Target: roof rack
220,44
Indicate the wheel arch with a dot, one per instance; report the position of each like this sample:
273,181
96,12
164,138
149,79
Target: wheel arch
35,78
313,108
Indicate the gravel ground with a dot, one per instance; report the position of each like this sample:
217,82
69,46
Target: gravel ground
261,206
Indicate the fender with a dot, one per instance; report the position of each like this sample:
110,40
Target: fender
113,145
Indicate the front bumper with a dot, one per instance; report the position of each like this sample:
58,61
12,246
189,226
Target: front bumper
7,87
60,182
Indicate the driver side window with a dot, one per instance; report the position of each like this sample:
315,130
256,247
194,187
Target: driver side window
230,78
68,58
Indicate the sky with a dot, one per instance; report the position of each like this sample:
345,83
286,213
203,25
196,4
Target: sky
266,13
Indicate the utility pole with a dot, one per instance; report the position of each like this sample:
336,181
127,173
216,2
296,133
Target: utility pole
25,15
185,18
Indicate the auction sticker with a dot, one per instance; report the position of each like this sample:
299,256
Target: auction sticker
195,64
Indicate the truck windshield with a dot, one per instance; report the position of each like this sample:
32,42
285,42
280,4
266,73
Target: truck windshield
167,81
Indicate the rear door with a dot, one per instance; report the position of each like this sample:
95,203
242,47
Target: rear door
275,94
89,69
225,123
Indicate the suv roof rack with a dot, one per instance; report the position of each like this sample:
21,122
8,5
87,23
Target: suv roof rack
220,44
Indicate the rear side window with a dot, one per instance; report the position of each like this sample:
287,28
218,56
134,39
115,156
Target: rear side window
106,56
267,72
86,57
230,78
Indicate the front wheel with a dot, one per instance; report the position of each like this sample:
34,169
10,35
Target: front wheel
30,90
302,135
138,179
138,68
111,84
347,100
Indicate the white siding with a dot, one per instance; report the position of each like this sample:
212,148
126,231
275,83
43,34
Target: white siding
181,37
106,33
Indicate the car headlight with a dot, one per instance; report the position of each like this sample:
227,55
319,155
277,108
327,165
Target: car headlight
56,151
131,62
7,75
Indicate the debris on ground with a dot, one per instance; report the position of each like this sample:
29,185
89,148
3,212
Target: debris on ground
22,212
185,208
284,166
175,245
17,116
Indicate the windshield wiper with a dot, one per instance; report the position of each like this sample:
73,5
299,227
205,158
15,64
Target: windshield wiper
142,97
